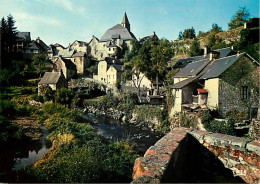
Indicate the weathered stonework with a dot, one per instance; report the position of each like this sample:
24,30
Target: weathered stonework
239,155
230,83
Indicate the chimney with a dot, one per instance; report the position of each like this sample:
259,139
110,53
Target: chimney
38,39
206,50
210,56
213,55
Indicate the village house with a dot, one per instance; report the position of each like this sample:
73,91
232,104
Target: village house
221,83
66,66
109,71
53,51
56,80
36,47
80,60
114,40
79,46
23,38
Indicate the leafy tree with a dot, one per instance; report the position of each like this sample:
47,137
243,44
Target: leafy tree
46,92
215,28
180,35
241,16
39,63
63,96
195,49
189,33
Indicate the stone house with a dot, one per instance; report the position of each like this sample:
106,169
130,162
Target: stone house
79,46
93,47
115,38
109,71
22,40
53,51
36,47
56,80
80,60
224,84
66,66
114,73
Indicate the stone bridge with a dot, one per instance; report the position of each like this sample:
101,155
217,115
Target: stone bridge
186,155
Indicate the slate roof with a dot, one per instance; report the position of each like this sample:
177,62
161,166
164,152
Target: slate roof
117,30
65,52
125,19
81,43
111,60
68,63
79,54
50,78
183,83
224,52
34,45
119,68
219,66
193,69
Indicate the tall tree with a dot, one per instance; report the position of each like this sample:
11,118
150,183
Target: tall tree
189,33
241,16
195,49
215,28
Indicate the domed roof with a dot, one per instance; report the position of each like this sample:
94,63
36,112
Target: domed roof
118,29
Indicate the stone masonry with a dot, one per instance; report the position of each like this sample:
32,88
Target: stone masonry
239,155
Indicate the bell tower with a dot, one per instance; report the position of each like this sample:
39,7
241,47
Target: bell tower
125,23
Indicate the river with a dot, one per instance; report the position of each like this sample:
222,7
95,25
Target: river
113,129
19,155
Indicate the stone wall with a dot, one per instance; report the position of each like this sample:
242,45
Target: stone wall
230,83
184,155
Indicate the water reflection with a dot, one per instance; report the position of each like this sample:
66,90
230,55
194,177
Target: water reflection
21,154
115,130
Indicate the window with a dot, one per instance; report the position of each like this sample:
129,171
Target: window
244,92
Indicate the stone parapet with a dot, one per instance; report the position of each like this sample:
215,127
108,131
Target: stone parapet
240,155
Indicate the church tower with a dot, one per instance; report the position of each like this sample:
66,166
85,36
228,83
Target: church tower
125,23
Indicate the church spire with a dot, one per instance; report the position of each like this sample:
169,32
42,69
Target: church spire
125,23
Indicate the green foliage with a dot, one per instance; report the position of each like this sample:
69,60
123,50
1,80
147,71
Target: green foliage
9,132
187,34
78,154
212,125
39,64
195,49
46,92
215,28
63,96
241,16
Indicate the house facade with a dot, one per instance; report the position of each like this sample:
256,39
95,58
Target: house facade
66,66
224,84
79,46
80,60
109,71
56,80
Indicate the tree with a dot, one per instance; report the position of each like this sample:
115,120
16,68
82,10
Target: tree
241,16
39,63
63,96
189,33
180,36
215,28
195,49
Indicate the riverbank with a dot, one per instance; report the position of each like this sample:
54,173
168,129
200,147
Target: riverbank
126,109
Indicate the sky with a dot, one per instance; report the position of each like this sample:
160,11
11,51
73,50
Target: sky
64,21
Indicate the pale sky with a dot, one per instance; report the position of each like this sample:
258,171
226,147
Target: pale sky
64,21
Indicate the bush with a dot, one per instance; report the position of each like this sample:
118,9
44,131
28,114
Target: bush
224,127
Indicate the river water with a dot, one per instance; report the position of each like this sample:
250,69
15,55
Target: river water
113,129
17,156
